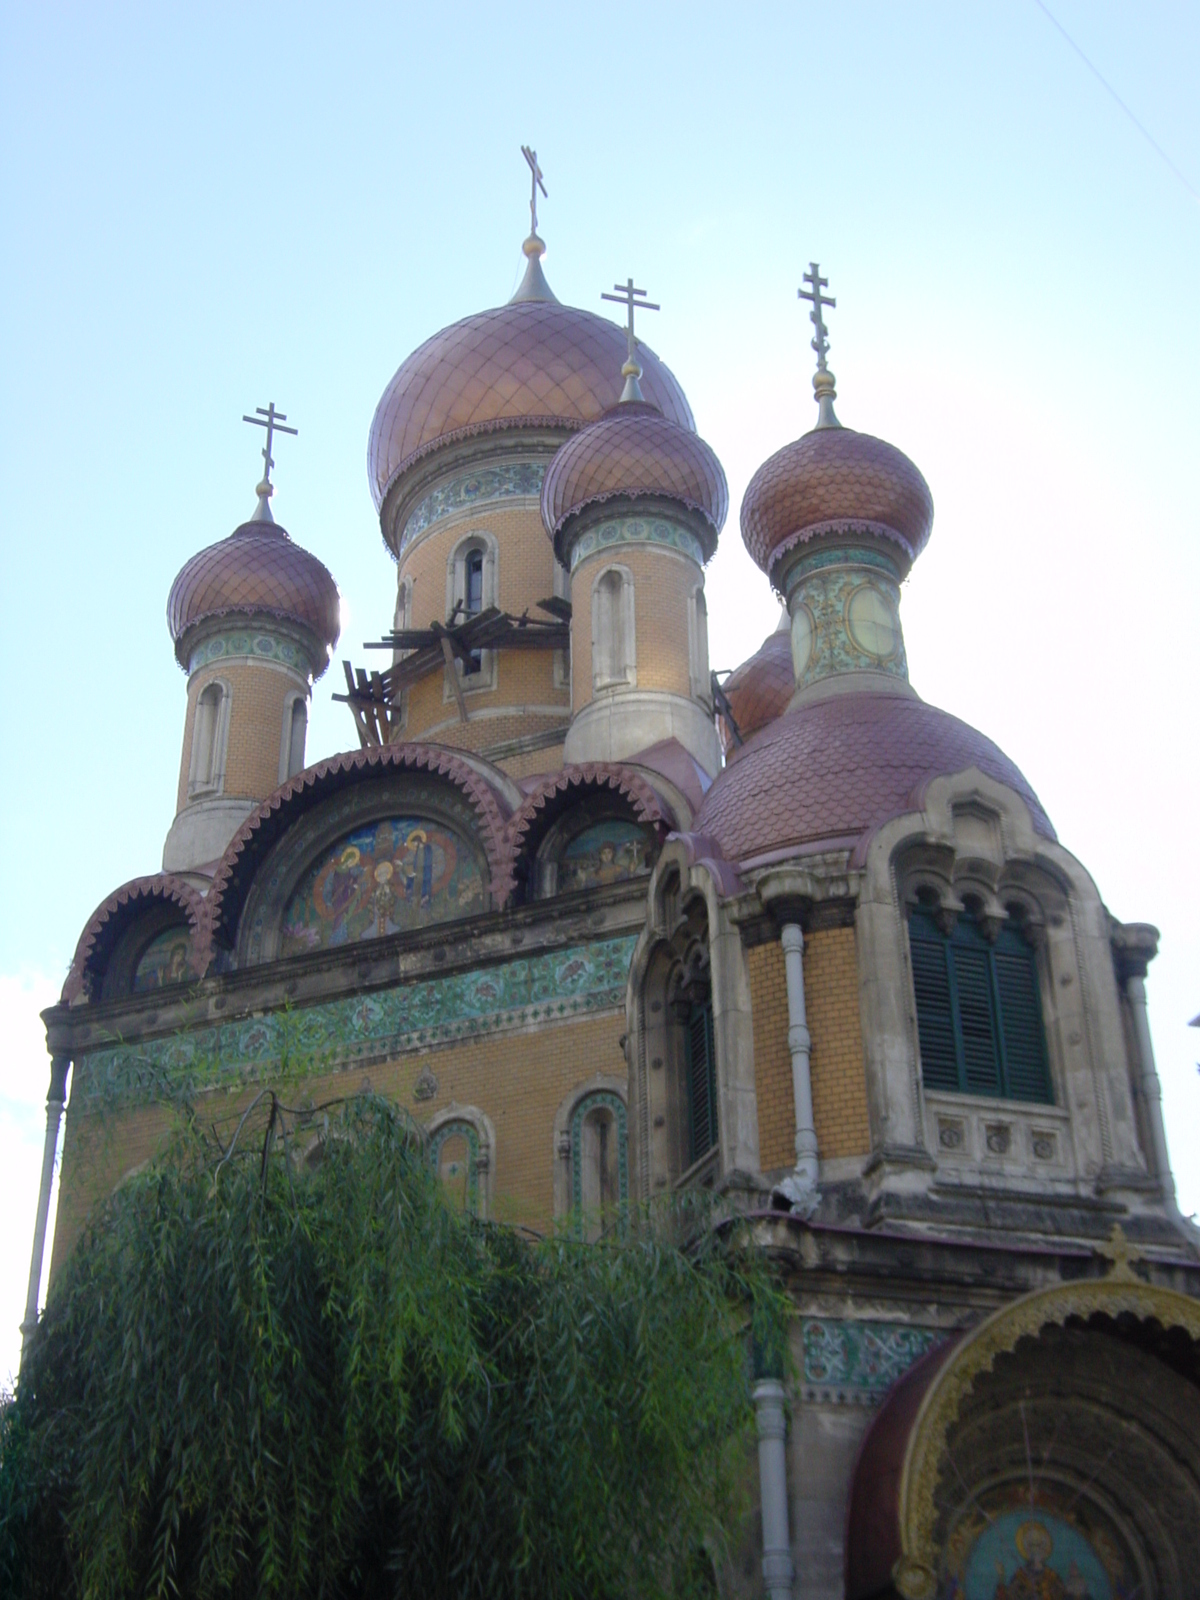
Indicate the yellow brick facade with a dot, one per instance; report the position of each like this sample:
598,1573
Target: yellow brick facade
839,1085
259,694
663,581
518,1080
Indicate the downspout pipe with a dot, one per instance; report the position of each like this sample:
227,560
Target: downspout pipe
56,1099
800,1188
777,1566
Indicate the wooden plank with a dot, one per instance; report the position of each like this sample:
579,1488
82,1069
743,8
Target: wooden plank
452,669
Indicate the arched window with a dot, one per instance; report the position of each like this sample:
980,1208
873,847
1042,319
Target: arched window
471,590
698,645
613,650
979,1015
599,1161
206,773
295,728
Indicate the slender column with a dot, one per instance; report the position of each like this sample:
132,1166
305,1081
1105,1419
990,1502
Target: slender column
777,1567
1135,988
800,1188
55,1100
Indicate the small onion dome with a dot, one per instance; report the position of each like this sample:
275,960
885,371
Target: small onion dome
759,690
259,571
530,363
835,771
634,451
835,481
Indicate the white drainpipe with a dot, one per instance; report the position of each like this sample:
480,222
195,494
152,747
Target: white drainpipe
777,1567
55,1100
799,1189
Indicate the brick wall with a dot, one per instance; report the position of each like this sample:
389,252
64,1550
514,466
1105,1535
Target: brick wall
518,1080
838,1075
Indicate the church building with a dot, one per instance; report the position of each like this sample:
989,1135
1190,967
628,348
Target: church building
609,927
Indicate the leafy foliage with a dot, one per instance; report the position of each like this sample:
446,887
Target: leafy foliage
257,1381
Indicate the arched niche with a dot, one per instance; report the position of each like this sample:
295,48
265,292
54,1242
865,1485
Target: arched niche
591,1138
154,952
389,856
596,842
461,1145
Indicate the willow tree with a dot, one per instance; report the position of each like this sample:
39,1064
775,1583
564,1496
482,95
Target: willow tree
258,1379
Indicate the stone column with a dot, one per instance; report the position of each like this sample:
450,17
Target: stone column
1135,988
778,1570
800,1188
55,1100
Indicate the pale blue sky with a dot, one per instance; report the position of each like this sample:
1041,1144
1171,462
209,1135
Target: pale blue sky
207,207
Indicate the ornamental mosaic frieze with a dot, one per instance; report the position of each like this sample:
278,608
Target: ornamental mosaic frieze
859,1361
845,618
514,480
249,644
635,530
314,1040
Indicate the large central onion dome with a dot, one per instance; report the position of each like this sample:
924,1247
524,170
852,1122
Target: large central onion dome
257,571
634,452
530,363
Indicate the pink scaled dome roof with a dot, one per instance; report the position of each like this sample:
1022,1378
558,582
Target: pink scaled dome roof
835,481
257,570
759,690
632,451
530,363
835,771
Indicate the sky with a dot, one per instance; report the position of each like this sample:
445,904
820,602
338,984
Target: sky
209,207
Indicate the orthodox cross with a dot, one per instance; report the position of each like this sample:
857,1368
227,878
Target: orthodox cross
635,299
821,343
273,421
535,183
1120,1253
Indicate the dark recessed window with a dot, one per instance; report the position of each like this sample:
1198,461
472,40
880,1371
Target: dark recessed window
474,601
701,1066
979,1015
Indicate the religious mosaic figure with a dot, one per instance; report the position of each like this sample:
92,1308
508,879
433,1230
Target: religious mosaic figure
164,961
389,876
607,852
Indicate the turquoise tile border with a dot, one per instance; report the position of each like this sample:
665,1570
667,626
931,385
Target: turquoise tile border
851,1360
324,1038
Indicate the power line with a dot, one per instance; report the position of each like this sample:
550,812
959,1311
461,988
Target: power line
1099,76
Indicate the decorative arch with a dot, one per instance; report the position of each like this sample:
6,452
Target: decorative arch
930,1402
591,1151
264,829
470,1127
114,931
555,796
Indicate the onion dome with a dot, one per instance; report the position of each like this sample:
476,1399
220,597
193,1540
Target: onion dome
835,771
759,690
835,481
258,571
634,451
532,363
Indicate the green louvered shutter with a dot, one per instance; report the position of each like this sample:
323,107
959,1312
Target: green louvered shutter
971,957
701,1082
1026,1067
935,1011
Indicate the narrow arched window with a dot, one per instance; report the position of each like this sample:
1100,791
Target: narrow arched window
296,731
599,1161
700,1065
207,768
612,629
473,602
979,1015
698,645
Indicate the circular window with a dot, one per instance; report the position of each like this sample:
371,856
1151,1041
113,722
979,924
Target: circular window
802,639
872,623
